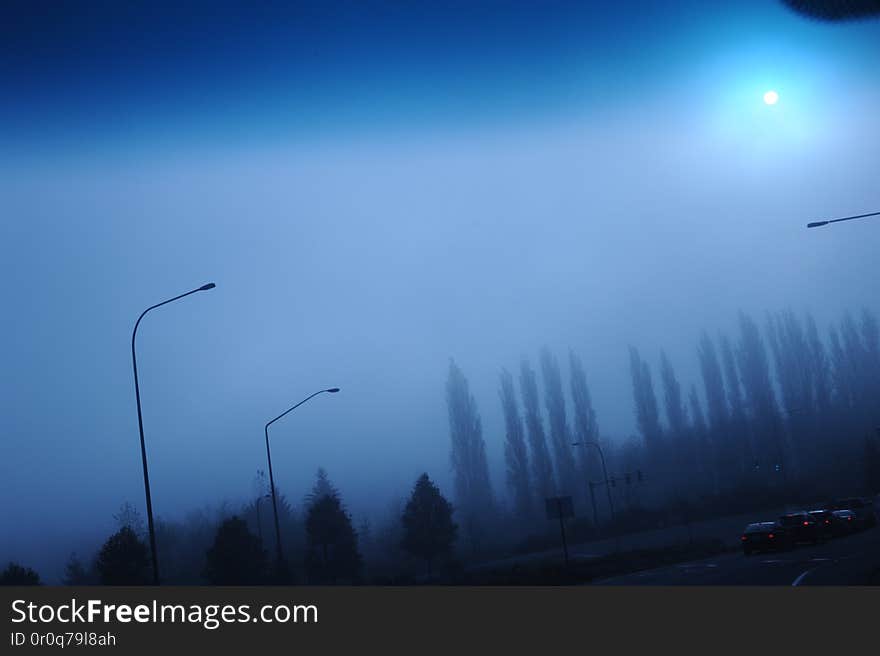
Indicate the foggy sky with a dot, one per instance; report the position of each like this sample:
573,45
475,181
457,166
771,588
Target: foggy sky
375,193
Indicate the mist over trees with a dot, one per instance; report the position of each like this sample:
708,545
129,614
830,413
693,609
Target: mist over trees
778,411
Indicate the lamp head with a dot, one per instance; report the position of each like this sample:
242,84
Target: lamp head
205,288
332,390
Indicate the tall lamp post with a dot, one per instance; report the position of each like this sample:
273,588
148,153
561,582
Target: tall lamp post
280,558
137,396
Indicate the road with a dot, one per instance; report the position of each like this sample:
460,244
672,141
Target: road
850,560
725,529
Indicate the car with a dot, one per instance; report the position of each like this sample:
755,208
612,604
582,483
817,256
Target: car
863,509
802,527
843,522
825,519
765,536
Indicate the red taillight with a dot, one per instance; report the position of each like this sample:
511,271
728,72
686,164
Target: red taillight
744,538
849,519
806,523
771,536
827,521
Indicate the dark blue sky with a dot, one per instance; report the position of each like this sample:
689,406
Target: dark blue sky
378,187
125,70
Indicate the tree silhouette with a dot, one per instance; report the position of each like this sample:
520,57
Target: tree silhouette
331,543
872,464
516,453
428,528
542,466
560,438
16,574
586,428
473,491
676,415
647,415
123,560
75,572
237,556
129,516
322,488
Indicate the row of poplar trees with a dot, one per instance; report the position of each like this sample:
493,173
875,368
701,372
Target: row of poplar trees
777,405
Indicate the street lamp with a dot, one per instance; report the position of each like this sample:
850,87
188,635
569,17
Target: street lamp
817,224
604,472
280,558
137,396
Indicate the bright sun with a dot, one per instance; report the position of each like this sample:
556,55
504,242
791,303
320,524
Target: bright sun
771,97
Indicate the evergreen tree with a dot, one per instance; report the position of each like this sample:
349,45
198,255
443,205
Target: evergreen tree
322,488
332,554
124,560
16,574
237,556
75,572
428,529
515,451
129,516
566,472
542,466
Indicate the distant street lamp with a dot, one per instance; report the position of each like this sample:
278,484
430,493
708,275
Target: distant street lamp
604,473
137,396
817,224
280,557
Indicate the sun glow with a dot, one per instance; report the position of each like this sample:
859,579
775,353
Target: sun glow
771,97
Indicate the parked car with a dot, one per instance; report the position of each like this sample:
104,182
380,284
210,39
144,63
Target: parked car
843,522
802,527
825,520
863,509
765,536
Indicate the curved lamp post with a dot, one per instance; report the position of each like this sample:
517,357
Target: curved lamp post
280,558
604,472
137,396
